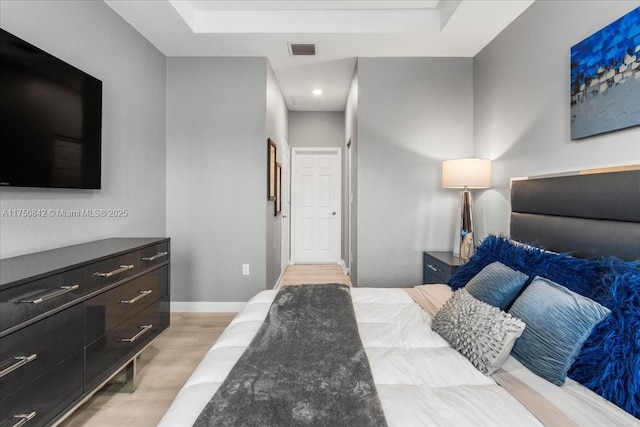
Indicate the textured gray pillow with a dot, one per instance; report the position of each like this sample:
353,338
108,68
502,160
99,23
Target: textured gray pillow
497,284
481,332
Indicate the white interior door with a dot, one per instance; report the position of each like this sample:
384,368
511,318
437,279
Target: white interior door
316,205
286,206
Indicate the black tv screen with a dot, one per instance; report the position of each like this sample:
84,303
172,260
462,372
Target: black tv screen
50,120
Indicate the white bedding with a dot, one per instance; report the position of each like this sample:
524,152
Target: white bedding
421,381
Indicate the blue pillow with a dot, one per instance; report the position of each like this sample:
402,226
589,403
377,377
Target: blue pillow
558,323
497,285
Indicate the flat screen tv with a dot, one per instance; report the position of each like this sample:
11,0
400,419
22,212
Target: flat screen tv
50,120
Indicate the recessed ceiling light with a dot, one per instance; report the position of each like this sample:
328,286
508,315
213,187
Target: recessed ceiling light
317,92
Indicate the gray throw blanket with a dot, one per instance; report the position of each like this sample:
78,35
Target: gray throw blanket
305,367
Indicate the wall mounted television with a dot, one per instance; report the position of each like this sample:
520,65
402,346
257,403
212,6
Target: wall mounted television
50,120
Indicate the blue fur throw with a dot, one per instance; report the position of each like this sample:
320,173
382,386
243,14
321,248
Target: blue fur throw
609,362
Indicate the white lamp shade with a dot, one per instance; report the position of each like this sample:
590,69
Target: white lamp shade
469,173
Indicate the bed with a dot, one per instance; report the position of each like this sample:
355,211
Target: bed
413,376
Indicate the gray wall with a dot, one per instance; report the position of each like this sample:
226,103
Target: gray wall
216,177
521,94
316,129
413,113
277,130
90,36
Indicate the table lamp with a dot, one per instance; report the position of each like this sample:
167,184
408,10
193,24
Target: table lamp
467,174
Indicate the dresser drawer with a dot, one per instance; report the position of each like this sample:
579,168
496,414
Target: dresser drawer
46,396
112,270
29,300
430,278
122,342
437,276
31,351
109,309
154,255
436,269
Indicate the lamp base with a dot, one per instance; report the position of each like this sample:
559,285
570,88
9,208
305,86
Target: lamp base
463,245
467,248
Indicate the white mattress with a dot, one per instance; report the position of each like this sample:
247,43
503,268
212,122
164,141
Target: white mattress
421,381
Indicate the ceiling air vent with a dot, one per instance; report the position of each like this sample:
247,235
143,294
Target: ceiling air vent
297,49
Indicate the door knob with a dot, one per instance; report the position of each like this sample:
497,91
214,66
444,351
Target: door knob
333,213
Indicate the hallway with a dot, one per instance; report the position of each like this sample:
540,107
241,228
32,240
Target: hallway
315,274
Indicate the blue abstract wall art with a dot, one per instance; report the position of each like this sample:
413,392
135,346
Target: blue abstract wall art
605,79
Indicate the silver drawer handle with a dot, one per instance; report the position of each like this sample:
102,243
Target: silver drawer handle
433,267
144,328
24,418
21,361
60,291
122,269
141,294
155,257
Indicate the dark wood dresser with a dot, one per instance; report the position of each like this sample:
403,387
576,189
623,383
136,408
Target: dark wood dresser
71,318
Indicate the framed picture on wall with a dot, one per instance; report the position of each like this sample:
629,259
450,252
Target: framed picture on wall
605,79
271,170
278,204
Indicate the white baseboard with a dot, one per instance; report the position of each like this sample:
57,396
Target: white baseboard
278,282
206,307
344,267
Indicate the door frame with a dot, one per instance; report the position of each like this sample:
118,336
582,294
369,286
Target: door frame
285,243
349,207
295,152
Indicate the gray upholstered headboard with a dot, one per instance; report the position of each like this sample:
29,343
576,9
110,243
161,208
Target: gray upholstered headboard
589,215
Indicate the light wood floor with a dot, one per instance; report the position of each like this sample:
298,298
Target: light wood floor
314,274
167,363
163,368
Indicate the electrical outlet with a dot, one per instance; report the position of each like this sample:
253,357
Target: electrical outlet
245,269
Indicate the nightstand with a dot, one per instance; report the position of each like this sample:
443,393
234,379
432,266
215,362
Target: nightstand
439,266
